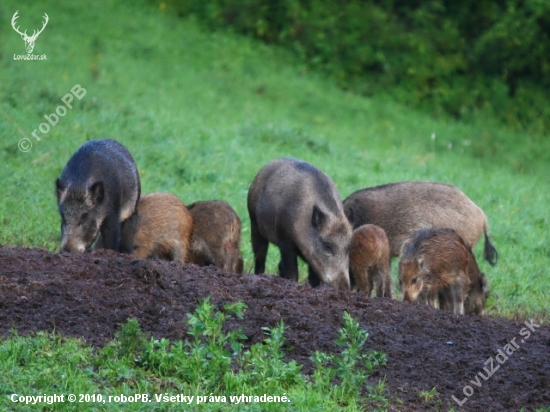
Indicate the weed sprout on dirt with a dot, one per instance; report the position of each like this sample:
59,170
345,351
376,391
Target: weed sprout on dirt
351,366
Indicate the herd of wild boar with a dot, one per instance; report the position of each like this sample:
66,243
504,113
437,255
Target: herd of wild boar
432,227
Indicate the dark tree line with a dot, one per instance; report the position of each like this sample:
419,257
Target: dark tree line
459,57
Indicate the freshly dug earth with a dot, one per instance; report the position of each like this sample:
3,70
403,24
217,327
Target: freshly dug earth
89,295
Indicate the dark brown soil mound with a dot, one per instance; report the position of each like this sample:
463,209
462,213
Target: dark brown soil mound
89,295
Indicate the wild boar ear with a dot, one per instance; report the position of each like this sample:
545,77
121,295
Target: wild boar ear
59,188
318,218
350,214
97,193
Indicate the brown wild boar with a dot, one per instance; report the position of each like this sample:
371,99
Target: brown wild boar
295,206
164,228
403,208
369,261
216,236
436,263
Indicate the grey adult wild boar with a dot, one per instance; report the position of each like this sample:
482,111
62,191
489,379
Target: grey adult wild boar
405,207
98,191
164,228
369,261
436,264
216,236
295,206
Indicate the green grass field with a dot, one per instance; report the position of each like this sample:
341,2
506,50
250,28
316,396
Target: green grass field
202,112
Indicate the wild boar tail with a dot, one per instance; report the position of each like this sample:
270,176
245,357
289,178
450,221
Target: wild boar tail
490,253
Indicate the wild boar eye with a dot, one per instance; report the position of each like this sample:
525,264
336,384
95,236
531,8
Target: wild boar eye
414,281
327,248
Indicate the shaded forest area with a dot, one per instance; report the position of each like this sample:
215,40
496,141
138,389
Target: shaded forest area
468,59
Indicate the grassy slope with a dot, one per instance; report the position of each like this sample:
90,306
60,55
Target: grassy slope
201,113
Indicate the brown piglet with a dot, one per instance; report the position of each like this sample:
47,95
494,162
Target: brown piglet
436,264
216,236
369,261
164,228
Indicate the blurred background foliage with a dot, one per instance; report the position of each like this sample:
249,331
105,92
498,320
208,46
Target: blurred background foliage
467,59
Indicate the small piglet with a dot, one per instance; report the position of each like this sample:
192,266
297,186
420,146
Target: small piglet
436,263
216,236
369,261
164,228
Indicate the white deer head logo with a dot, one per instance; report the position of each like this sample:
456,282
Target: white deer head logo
29,40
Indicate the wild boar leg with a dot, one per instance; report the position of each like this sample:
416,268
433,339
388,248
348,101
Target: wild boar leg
239,265
110,232
444,299
461,308
260,246
386,279
128,231
313,277
370,283
362,279
179,254
431,299
384,282
288,266
456,304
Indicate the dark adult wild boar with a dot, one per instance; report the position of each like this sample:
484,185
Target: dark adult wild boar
216,236
164,228
98,192
403,208
295,206
369,261
436,263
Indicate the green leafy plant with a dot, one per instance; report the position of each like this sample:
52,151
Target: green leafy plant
351,366
130,339
264,363
428,396
207,357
